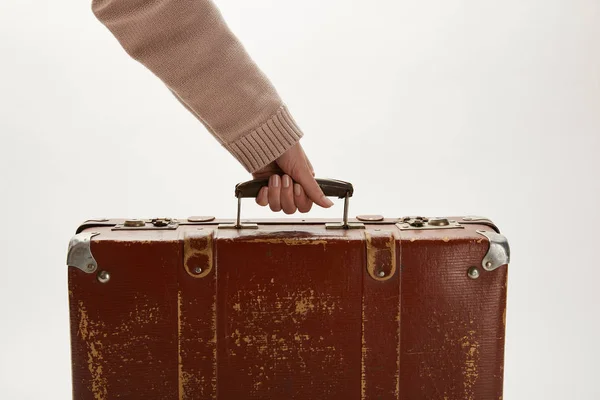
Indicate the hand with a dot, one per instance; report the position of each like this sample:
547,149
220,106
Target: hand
292,184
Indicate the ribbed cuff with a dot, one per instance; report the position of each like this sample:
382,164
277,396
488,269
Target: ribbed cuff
267,142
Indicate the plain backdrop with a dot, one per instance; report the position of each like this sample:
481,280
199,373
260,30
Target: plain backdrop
431,107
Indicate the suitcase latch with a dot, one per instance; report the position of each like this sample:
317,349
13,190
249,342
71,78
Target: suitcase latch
145,225
419,223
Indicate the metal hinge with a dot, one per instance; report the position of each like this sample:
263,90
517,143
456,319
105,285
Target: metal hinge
499,252
79,254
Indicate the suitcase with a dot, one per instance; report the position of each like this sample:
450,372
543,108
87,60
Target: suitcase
369,308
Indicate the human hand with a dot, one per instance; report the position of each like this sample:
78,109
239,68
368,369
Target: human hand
292,184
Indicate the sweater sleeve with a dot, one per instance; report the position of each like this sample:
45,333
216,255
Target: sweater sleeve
187,44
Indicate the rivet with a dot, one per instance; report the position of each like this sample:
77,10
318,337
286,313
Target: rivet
103,276
381,274
198,270
488,264
91,267
473,273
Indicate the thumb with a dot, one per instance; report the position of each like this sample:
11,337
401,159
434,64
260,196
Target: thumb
304,176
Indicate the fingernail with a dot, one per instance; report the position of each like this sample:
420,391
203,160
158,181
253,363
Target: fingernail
275,180
326,201
297,189
286,181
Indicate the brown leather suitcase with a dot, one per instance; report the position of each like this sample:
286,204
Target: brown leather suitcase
372,308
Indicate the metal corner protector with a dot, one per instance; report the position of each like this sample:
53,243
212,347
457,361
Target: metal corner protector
80,255
499,252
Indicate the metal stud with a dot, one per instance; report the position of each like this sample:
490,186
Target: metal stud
381,274
103,276
91,267
488,264
198,270
473,273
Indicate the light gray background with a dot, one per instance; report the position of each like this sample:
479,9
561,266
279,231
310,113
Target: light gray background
433,107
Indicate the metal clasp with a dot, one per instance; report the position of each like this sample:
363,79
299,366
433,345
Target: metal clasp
145,225
420,223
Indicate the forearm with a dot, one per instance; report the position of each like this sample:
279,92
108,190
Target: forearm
190,48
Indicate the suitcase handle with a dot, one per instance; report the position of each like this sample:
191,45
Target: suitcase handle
330,188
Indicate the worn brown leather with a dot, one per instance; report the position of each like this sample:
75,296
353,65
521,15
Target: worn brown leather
288,311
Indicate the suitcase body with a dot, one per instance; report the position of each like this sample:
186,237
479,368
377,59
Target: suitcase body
400,308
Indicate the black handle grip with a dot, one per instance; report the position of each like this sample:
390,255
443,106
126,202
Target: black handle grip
330,187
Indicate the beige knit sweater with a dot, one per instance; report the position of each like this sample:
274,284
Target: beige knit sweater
189,47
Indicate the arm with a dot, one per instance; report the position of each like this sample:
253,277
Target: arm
190,48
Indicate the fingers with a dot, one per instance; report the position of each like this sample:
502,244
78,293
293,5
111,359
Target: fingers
302,202
304,176
283,194
274,193
263,196
295,163
287,195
